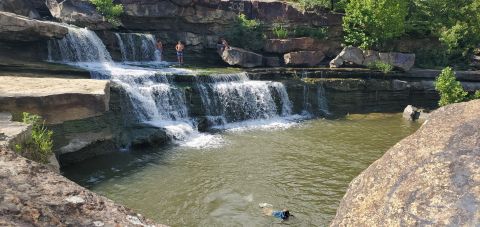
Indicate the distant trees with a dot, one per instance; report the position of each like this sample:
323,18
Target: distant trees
371,23
109,10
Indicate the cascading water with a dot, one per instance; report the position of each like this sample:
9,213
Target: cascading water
79,45
137,47
235,98
154,99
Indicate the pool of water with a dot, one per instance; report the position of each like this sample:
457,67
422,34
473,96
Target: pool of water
305,167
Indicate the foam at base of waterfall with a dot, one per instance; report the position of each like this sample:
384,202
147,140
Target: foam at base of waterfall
186,135
276,123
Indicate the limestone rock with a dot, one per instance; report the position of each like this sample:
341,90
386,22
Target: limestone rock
412,113
14,27
12,132
79,12
304,58
272,61
20,7
56,100
429,178
282,46
357,57
241,57
33,195
403,61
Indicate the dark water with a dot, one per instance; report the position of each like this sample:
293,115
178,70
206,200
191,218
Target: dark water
306,168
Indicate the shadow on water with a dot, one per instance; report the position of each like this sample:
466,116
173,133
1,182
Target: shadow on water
118,164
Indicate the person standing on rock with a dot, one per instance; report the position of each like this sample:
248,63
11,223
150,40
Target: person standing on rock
179,48
159,50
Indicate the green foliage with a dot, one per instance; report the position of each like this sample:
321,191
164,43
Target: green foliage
451,91
312,4
109,10
455,23
320,33
245,33
279,31
371,23
476,95
431,58
380,66
39,146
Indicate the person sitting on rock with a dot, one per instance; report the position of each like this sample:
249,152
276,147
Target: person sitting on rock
179,48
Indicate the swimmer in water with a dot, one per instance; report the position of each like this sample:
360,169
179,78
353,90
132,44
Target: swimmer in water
281,214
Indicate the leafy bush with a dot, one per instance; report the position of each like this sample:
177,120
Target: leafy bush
451,91
380,66
476,95
432,57
245,33
455,23
39,146
109,10
371,23
317,33
279,31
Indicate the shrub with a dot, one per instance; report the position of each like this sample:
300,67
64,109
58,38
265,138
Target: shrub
320,33
371,23
279,31
451,91
476,95
245,33
109,10
380,66
39,146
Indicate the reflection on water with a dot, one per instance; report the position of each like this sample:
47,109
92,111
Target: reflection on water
305,168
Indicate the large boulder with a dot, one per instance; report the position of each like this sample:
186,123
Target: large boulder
57,100
20,7
357,57
14,27
240,57
349,54
79,12
400,60
304,58
430,178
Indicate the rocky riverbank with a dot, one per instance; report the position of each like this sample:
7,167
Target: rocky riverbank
429,178
34,195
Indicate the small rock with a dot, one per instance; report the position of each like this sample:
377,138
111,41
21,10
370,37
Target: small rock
241,57
304,58
98,223
134,220
75,200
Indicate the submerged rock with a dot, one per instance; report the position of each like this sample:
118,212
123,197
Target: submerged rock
430,178
412,113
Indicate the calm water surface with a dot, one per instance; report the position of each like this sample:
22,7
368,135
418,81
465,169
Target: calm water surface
305,168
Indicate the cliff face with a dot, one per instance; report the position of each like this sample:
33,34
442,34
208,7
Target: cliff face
429,178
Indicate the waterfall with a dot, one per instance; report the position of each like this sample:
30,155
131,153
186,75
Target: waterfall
79,45
234,98
322,100
154,99
137,47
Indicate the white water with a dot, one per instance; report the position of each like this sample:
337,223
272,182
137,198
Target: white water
137,47
233,100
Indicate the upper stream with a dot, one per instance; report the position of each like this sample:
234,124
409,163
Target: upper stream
305,167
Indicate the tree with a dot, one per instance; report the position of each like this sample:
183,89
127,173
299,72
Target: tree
109,10
371,23
451,91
